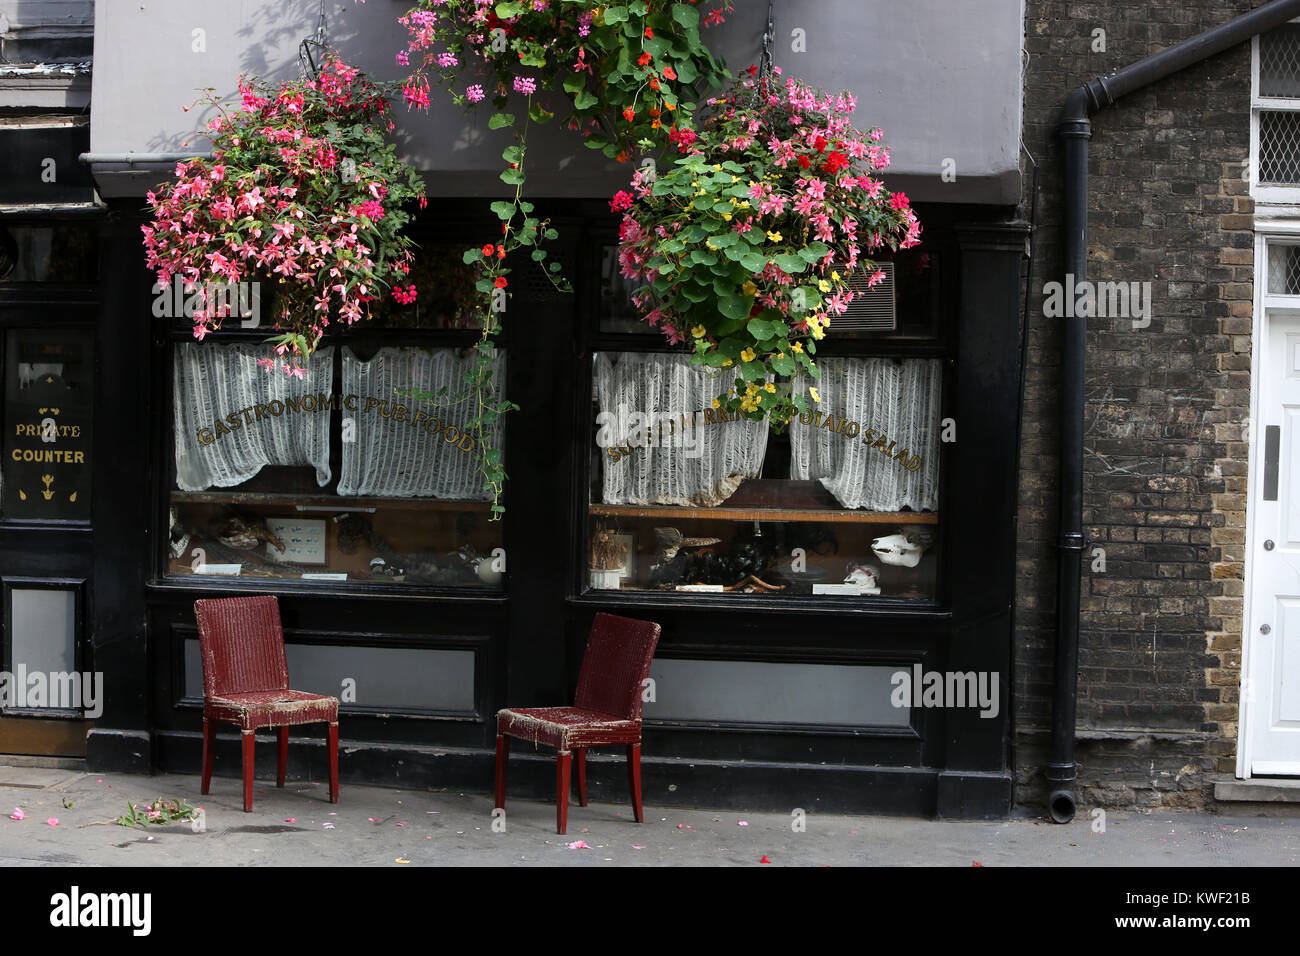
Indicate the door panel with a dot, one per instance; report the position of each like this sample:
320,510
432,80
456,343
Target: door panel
1272,685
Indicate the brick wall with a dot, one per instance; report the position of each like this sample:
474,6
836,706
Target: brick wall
1165,458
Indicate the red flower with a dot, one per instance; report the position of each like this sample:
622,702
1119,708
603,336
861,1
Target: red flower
804,162
622,200
643,59
819,144
654,83
670,73
835,162
501,251
487,250
629,114
501,282
649,33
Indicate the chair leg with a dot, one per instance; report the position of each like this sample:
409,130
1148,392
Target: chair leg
580,753
634,779
333,745
283,756
562,783
209,745
503,757
248,770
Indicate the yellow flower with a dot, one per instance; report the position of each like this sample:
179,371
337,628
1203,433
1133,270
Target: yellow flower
774,237
698,332
747,355
725,215
689,206
813,392
797,346
743,205
726,362
717,167
835,276
735,179
716,403
749,288
823,285
711,245
818,332
770,387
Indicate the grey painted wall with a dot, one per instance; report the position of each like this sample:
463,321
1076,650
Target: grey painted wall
941,77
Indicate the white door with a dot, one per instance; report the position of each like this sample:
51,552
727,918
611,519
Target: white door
1271,689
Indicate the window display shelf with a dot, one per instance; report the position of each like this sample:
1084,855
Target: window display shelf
325,502
766,514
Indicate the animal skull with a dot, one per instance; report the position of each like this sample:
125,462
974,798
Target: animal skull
897,549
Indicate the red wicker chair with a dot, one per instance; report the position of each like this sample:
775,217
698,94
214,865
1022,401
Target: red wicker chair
246,683
606,712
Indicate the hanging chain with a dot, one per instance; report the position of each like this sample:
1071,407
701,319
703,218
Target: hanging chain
765,66
307,65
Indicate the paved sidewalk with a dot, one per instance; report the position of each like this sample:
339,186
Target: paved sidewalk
378,826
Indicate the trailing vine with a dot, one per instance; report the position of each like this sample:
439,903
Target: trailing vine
626,77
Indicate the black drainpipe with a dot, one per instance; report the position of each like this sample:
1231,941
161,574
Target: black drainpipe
1075,129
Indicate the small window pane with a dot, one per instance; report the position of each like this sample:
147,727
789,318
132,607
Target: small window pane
1279,61
1279,148
1283,269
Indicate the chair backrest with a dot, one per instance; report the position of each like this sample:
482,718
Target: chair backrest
242,645
618,657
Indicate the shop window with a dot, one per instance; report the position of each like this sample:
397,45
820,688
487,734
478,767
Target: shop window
843,503
47,414
347,474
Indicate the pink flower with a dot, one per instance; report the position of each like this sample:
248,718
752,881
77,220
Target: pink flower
53,821
474,94
622,200
898,201
17,814
526,85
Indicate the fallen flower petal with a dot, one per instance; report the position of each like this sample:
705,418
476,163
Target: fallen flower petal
53,821
17,814
290,820
765,859
400,860
579,845
742,823
635,847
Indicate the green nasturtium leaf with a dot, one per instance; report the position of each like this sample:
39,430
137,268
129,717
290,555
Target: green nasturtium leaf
733,306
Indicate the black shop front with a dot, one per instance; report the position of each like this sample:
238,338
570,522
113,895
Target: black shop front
823,591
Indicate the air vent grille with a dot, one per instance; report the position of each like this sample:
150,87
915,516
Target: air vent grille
872,308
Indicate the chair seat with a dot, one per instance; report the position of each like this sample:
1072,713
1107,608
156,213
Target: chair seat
272,708
565,728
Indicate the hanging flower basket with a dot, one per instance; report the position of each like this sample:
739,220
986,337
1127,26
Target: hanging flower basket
749,240
304,196
626,72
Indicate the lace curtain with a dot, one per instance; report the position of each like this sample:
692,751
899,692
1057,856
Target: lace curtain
233,417
697,466
896,402
401,447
